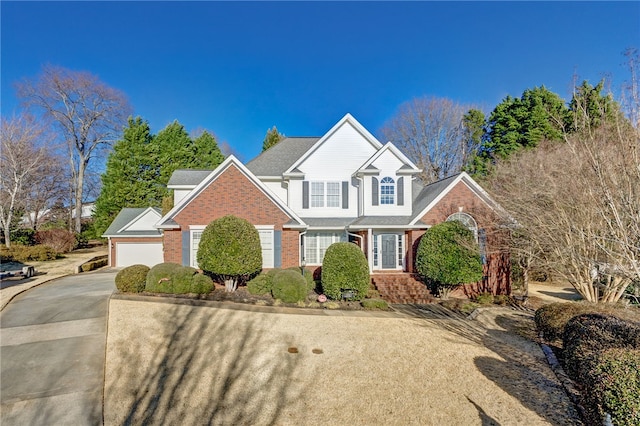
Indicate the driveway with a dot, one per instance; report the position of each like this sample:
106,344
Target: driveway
52,352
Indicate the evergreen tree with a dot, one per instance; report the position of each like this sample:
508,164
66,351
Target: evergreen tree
518,123
589,108
208,154
271,138
174,150
130,177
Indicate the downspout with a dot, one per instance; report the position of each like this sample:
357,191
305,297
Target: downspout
355,235
370,249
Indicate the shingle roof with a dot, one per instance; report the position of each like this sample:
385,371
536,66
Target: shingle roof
382,220
338,222
277,159
123,218
188,177
430,192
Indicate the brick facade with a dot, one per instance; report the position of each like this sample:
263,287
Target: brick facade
232,193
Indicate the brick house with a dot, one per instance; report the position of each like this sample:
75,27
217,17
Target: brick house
304,194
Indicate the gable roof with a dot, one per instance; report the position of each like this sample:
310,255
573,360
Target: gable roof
279,158
407,165
348,118
127,217
167,222
434,192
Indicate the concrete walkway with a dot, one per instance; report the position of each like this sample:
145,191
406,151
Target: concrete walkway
52,352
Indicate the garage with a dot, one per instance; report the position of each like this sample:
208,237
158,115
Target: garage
128,254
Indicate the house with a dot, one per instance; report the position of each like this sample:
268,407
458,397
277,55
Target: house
304,194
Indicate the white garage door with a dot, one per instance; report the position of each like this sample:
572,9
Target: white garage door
138,253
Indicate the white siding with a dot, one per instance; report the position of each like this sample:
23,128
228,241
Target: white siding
388,164
145,223
277,188
335,160
179,194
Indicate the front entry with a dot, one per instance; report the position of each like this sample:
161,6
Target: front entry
388,254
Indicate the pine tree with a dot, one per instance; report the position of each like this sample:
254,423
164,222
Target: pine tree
271,138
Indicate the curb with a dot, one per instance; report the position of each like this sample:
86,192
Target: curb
567,384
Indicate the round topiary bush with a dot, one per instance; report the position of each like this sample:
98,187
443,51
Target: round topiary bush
448,256
132,279
201,284
345,268
159,278
289,286
308,276
182,279
260,285
230,249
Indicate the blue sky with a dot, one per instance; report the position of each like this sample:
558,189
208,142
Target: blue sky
239,68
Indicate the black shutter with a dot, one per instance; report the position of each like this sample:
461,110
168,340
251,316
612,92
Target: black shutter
400,188
345,194
186,246
305,194
374,191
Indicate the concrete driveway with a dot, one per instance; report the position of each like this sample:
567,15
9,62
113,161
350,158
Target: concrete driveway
52,352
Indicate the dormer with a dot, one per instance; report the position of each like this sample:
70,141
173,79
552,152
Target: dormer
387,183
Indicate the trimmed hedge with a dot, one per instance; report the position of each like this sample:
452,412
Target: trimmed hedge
308,276
345,268
172,278
602,354
289,286
552,319
260,285
94,264
132,279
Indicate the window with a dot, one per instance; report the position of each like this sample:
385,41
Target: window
387,191
325,194
266,242
195,243
333,194
317,194
317,243
468,221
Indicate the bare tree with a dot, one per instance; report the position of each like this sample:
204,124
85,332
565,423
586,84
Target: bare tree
25,161
578,203
430,131
88,113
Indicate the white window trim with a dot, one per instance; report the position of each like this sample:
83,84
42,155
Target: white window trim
325,194
336,236
193,261
193,254
393,185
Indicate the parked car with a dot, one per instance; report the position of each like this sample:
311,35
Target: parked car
16,269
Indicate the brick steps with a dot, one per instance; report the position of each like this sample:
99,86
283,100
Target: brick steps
401,288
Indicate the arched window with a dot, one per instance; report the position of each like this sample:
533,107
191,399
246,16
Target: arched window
387,191
468,221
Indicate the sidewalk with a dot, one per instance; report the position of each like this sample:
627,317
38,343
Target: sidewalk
47,271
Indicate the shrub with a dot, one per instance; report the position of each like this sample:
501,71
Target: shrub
448,256
21,253
60,240
308,276
601,353
484,298
230,249
289,286
182,279
159,278
375,304
94,264
201,284
345,268
552,319
260,285
501,299
24,236
132,279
